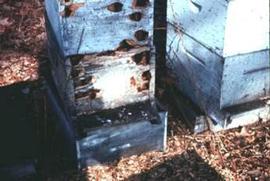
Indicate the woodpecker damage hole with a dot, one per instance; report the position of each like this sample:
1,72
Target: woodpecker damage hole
76,72
107,53
84,81
75,60
142,58
146,77
71,9
115,7
137,16
126,45
140,3
133,81
92,94
141,35
145,86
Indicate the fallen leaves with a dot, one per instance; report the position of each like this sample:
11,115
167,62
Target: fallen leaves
239,154
5,23
17,67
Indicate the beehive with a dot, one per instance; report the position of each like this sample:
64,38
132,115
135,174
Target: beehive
103,64
85,26
219,52
102,53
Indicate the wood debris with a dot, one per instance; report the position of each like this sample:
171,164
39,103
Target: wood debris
239,154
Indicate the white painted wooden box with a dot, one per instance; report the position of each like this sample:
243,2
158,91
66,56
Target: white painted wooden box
91,26
101,52
219,52
91,83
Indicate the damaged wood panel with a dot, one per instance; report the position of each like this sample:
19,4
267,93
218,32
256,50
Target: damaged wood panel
110,143
200,19
104,80
125,114
89,87
246,78
110,81
198,71
88,26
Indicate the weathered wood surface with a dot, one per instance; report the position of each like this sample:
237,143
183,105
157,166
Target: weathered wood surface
90,83
246,75
105,144
130,113
114,80
85,26
214,59
198,71
202,20
246,78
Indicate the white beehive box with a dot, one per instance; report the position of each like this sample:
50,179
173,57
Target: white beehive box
86,26
102,52
219,51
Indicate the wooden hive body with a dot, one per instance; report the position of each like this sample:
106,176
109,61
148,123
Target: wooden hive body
85,26
102,53
220,60
103,64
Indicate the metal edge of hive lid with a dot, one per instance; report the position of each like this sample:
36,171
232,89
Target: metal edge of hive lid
85,27
194,51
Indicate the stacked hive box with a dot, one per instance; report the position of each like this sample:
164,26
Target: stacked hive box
103,65
220,60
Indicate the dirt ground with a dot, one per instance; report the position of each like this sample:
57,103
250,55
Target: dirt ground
238,154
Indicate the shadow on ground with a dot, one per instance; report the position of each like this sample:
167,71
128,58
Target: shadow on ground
187,166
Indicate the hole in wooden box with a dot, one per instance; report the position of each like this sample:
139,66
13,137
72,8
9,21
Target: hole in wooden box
75,60
115,7
137,16
76,72
71,9
133,81
146,75
145,86
131,113
140,3
107,53
142,58
92,94
126,45
141,35
84,81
